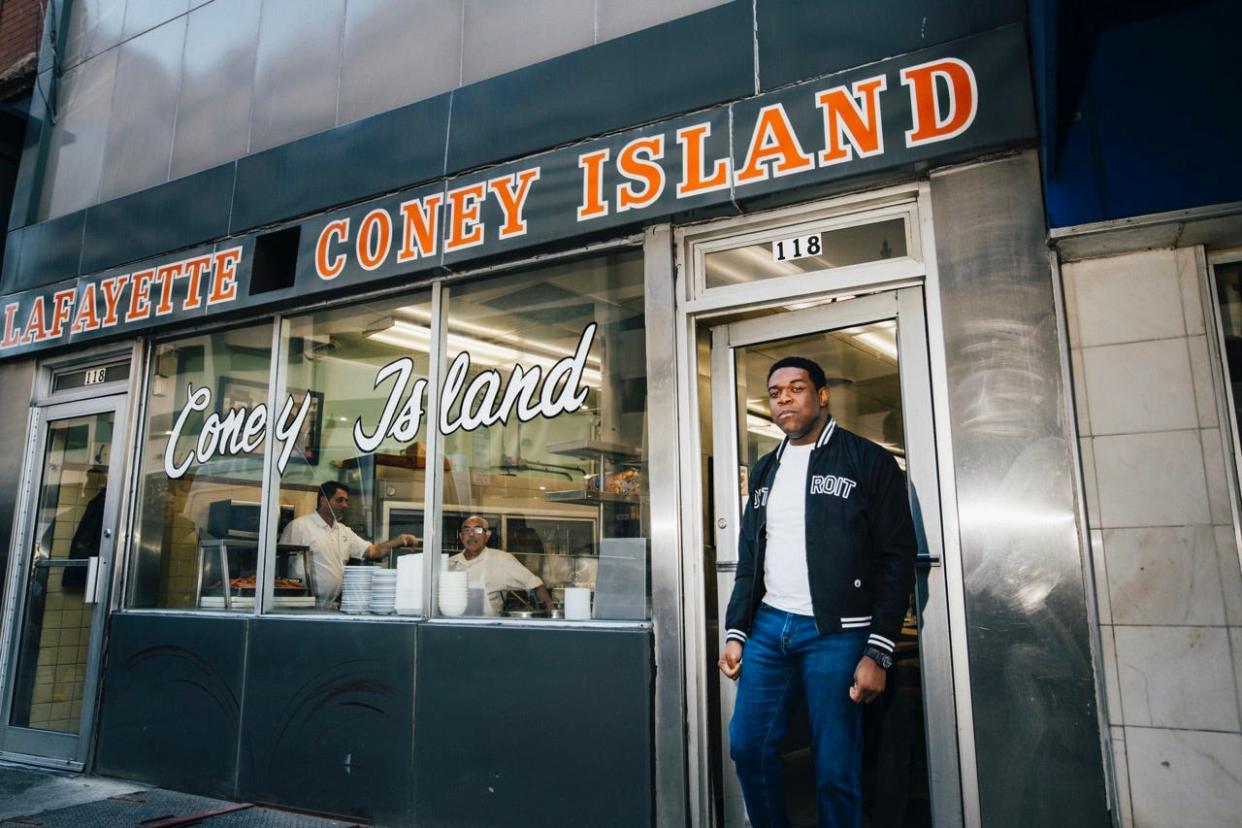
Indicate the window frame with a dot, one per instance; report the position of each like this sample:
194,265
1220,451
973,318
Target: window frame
1226,405
279,325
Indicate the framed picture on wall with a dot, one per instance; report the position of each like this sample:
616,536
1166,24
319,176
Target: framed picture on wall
239,393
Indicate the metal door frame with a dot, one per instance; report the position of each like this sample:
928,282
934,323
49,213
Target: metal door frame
30,745
956,780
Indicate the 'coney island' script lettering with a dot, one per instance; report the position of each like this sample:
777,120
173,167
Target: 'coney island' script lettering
487,399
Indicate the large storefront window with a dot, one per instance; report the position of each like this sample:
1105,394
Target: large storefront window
351,494
541,416
200,487
544,497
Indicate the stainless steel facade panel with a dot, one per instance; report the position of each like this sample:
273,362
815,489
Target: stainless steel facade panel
1028,632
213,113
94,26
144,96
614,18
296,71
75,151
142,15
501,36
398,53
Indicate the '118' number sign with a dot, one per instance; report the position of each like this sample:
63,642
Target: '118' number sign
797,247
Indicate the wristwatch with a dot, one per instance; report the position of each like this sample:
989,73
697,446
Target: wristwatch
879,657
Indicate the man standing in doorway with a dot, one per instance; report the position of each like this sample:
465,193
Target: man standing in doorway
825,570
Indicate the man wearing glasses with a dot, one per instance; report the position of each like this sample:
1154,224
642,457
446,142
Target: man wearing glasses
490,571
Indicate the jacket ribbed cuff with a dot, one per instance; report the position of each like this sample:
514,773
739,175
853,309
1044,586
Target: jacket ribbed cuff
735,635
880,643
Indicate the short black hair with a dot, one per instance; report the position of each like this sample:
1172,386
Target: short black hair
329,488
809,365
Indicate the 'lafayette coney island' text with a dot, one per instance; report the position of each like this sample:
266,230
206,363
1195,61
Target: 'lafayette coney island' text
943,96
852,127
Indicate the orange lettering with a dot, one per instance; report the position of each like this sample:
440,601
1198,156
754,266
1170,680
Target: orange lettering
36,326
930,124
511,192
693,178
854,118
62,309
167,276
86,320
646,171
593,204
224,276
330,269
112,297
420,227
12,335
374,238
194,269
773,141
140,295
465,230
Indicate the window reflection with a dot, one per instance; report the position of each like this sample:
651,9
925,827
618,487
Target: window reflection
546,424
808,253
198,530
358,451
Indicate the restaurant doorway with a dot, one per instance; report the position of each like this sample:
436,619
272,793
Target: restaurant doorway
61,568
874,351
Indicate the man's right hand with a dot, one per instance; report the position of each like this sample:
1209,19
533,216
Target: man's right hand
731,659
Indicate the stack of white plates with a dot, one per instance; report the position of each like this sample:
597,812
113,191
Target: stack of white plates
383,591
454,593
356,591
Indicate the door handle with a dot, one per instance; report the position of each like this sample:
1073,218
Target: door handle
92,579
927,560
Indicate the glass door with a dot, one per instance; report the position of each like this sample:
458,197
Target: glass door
874,352
58,594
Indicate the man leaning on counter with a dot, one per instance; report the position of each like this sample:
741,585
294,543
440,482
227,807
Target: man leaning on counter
332,543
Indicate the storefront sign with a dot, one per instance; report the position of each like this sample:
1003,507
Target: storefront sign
527,393
147,295
944,103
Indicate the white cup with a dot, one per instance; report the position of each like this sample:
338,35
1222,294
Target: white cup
577,603
453,598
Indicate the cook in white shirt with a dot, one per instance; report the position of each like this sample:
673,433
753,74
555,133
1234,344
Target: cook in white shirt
332,543
490,571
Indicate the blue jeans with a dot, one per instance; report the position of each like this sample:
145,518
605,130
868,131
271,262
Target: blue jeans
784,660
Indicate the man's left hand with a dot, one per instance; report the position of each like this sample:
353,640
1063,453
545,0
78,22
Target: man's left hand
869,679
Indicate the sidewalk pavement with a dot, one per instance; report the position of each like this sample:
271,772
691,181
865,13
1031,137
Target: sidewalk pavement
37,798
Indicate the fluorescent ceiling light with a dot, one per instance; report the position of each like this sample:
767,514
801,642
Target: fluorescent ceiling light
402,334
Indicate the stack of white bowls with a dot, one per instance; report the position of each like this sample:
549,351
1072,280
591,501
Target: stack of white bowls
356,591
454,593
383,591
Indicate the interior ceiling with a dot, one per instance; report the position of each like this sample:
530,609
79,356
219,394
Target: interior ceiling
864,389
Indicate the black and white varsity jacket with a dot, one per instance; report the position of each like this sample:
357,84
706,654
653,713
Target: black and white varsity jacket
860,542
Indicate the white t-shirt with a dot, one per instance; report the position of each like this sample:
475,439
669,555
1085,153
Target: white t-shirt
331,546
494,571
785,578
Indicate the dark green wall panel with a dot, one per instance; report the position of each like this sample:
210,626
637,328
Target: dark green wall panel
50,251
375,155
800,39
168,217
171,706
533,727
328,717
